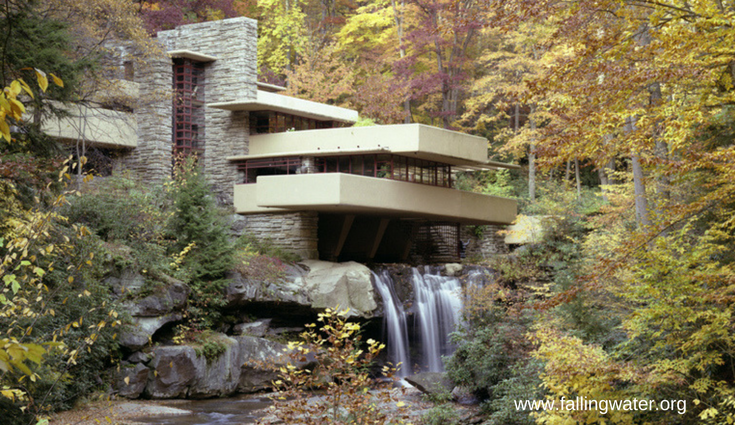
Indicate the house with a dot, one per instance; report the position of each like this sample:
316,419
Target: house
296,170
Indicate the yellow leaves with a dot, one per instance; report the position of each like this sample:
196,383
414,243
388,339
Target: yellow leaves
42,79
12,107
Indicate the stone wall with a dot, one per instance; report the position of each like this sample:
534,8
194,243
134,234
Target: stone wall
233,42
151,160
483,243
294,232
231,77
227,135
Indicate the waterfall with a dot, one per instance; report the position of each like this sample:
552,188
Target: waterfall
438,307
394,323
436,311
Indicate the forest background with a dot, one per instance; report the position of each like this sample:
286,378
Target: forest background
619,111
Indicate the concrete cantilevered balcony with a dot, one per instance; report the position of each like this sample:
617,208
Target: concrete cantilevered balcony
96,126
353,194
412,140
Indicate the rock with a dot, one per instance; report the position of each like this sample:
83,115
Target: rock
219,376
171,297
257,355
139,357
174,369
453,269
137,378
347,285
242,290
312,283
140,332
463,395
257,328
129,281
281,331
431,382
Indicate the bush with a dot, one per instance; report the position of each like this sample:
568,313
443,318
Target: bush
492,340
341,371
120,210
442,414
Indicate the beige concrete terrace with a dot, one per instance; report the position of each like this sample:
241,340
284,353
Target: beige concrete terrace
267,101
411,140
352,194
97,126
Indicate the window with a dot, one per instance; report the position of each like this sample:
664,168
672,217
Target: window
188,118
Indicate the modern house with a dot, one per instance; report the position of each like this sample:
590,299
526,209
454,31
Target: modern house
297,171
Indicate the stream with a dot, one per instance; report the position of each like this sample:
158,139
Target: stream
216,411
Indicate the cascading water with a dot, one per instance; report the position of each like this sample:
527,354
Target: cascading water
436,312
394,323
438,307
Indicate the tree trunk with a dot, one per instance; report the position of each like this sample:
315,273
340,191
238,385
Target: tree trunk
398,19
603,182
662,148
610,173
532,159
639,187
641,203
567,172
577,179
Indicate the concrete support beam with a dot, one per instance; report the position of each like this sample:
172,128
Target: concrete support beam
346,226
379,236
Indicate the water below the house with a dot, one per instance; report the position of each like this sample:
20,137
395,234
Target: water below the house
434,315
219,411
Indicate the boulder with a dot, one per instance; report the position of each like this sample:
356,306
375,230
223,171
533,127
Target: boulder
465,396
452,269
174,369
246,366
136,376
171,297
139,357
257,328
258,356
313,284
129,281
243,290
218,377
347,285
140,332
431,382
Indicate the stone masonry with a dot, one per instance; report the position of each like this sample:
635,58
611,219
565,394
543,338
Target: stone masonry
231,77
233,42
294,232
488,242
151,160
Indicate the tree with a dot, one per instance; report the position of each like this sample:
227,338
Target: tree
510,59
649,83
168,14
321,79
442,38
282,35
202,239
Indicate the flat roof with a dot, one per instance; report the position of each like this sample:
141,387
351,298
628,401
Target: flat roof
410,140
490,165
270,87
267,101
189,54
